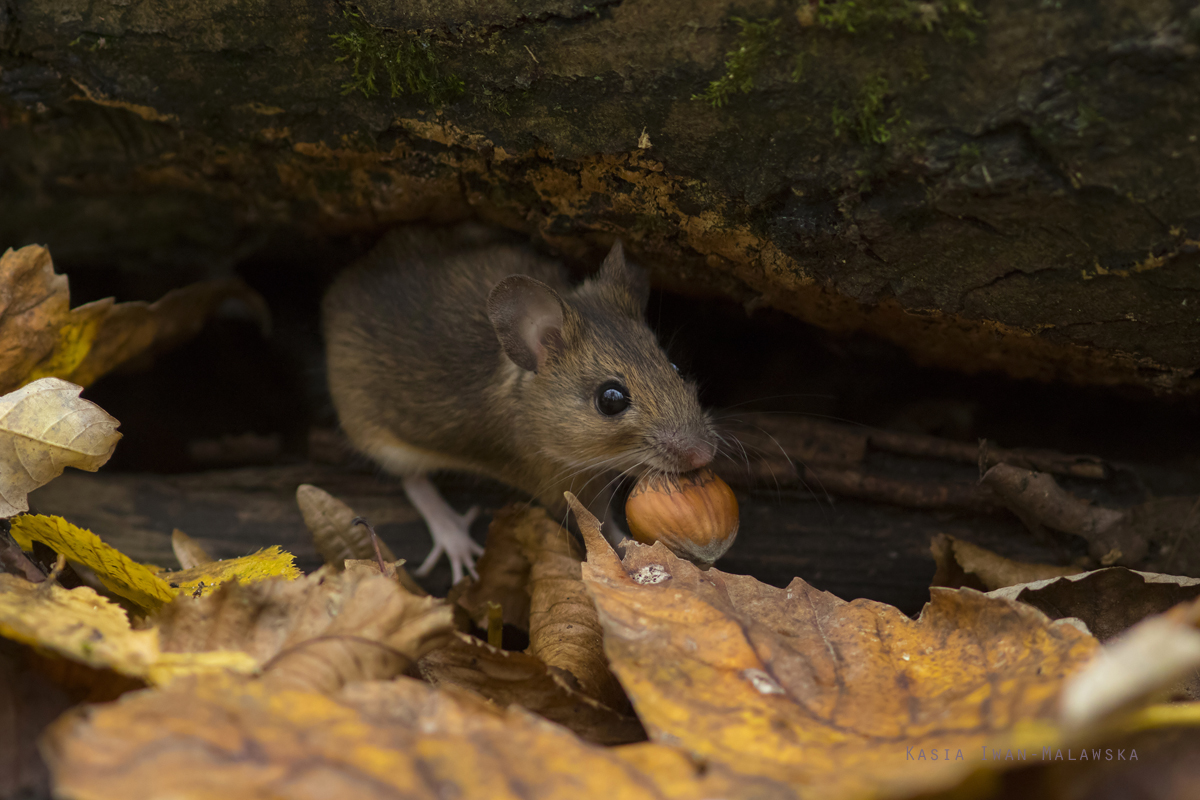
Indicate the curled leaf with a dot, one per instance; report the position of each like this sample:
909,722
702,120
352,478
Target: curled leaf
44,428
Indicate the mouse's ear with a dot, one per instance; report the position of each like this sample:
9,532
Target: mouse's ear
528,318
629,279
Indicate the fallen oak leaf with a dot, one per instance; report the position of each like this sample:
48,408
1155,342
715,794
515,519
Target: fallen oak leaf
798,686
44,428
377,739
120,574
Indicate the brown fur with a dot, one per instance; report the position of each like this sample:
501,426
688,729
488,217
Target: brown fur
416,366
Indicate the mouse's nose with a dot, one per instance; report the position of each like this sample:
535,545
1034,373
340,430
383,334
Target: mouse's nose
698,456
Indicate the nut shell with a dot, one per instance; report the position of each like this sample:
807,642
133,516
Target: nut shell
693,513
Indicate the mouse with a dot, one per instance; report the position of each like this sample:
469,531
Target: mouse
458,349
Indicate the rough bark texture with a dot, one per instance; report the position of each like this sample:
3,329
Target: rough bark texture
1009,184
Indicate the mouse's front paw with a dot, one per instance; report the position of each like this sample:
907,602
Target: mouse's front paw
452,537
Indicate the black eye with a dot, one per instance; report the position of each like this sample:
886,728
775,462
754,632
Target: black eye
612,398
675,367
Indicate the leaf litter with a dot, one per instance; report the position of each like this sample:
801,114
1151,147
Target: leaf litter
745,690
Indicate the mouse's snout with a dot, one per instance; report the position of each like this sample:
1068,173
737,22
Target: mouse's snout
685,452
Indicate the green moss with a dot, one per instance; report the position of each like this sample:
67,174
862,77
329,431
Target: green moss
408,63
755,42
867,119
952,18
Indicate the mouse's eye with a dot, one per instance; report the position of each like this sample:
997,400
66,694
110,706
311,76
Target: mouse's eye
675,367
612,398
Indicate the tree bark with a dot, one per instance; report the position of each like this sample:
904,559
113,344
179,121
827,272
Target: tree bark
1008,185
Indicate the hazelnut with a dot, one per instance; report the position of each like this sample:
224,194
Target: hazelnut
693,513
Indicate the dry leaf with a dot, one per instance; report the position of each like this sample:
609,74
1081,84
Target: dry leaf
961,564
564,631
33,302
269,562
330,522
188,551
146,586
42,336
44,428
507,678
119,574
77,624
323,630
798,686
503,571
1107,601
377,739
85,628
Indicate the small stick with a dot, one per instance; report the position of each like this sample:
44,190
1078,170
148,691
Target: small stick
374,542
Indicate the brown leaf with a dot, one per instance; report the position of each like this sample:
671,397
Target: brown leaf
503,571
316,633
564,631
798,686
33,304
227,739
331,523
961,564
507,678
188,551
41,336
1108,601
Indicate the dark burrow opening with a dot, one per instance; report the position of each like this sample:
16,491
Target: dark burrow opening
223,411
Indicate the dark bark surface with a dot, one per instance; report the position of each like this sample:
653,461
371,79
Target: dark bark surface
1008,184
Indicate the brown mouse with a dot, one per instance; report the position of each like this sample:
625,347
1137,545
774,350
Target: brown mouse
448,349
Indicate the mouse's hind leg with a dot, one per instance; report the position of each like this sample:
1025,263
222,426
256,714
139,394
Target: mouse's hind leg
450,530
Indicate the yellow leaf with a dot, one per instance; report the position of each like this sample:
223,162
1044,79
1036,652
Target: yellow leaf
267,563
44,428
799,686
82,626
373,739
78,624
119,573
